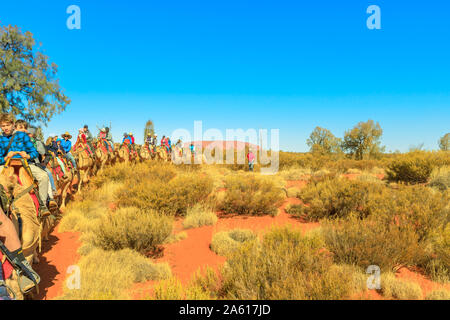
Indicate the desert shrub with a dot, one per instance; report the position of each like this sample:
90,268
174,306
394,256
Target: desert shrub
169,289
393,287
416,207
438,294
173,197
293,192
437,263
225,242
294,209
209,282
440,178
334,198
413,167
293,174
132,228
368,178
109,274
198,216
285,265
172,289
371,242
250,195
176,237
353,171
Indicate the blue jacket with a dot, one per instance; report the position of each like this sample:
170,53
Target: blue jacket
22,142
66,145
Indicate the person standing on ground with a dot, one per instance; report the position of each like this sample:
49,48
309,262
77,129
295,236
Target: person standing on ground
251,160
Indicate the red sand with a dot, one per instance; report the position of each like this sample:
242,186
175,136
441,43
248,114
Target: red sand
57,255
187,256
426,284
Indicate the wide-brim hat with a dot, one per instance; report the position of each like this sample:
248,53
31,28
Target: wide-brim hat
66,134
130,134
103,130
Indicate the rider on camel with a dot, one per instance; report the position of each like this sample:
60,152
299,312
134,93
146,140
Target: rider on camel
89,138
66,144
82,137
109,138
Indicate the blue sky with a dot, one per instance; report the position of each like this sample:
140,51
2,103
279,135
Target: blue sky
288,65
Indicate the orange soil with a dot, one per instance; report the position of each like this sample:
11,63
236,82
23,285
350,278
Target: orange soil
187,256
57,255
426,284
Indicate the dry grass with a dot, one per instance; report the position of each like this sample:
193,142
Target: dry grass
107,275
392,287
438,294
226,242
134,229
198,216
251,195
440,178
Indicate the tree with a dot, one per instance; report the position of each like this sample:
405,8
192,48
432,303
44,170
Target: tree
149,128
28,84
323,141
444,142
364,140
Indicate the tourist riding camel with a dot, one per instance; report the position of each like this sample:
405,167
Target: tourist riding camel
66,144
109,138
22,126
17,144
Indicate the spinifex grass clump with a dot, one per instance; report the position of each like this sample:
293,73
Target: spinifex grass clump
172,197
198,216
226,242
134,229
335,198
416,167
372,242
108,275
250,195
285,265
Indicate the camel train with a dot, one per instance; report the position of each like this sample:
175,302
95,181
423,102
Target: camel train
19,193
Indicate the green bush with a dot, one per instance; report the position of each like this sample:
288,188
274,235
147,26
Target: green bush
440,178
437,264
250,195
225,242
172,197
134,229
414,167
371,242
198,216
416,207
391,287
285,265
334,198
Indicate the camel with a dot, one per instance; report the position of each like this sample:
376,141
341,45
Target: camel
23,207
85,163
162,154
62,185
145,153
124,154
104,157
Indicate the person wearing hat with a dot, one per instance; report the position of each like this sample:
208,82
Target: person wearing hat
131,137
66,145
